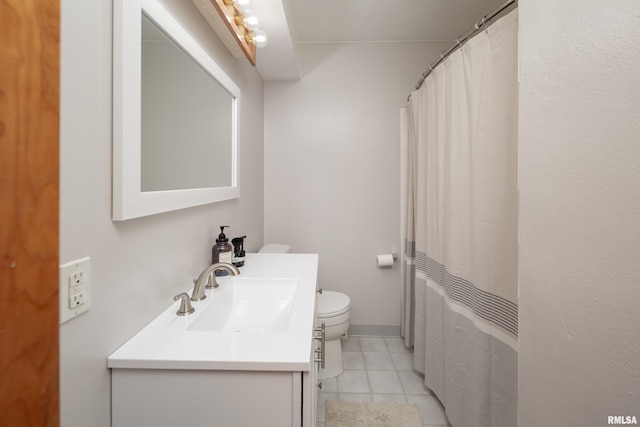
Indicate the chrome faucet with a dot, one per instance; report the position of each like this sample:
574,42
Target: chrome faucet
208,274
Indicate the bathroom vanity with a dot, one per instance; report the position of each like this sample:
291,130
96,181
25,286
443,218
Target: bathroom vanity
246,356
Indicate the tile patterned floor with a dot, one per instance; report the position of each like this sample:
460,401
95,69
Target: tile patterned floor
380,370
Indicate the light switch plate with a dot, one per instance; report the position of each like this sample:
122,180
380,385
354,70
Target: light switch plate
75,297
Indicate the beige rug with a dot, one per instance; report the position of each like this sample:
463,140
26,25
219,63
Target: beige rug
352,414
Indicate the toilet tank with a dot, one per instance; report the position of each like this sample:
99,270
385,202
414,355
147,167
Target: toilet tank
275,248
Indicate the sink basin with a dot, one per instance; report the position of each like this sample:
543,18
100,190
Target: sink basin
245,304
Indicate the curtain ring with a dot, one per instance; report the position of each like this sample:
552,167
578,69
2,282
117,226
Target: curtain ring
458,41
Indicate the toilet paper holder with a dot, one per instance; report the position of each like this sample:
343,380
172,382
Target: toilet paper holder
387,260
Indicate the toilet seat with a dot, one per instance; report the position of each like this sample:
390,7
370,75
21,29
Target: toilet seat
332,304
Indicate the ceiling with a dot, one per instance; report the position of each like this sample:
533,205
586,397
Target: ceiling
292,23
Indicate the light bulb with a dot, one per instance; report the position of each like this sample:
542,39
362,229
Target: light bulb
244,5
260,38
251,22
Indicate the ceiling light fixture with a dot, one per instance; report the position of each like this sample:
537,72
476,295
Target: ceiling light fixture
235,25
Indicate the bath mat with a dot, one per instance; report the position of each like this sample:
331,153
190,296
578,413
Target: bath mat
357,414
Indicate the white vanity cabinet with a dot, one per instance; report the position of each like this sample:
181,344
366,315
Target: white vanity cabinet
175,372
172,397
147,397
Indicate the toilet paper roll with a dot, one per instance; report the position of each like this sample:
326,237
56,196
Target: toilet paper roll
385,260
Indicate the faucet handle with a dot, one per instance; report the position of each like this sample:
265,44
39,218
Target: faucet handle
185,304
212,283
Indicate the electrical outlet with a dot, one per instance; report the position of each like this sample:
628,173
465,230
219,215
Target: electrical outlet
76,300
74,288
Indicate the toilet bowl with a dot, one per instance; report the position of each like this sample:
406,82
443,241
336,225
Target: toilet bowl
334,310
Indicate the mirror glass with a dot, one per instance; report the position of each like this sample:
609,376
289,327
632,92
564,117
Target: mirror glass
175,121
186,119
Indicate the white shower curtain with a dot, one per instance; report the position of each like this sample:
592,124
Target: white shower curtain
461,290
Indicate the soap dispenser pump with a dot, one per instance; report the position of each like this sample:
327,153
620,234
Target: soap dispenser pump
222,251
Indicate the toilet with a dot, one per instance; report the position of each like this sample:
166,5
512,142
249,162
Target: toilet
274,248
334,309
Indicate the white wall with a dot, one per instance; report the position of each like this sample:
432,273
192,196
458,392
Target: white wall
332,167
579,228
137,265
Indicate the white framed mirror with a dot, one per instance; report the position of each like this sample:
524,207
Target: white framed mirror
175,116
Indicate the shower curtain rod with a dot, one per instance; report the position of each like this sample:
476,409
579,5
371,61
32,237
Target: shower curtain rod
486,21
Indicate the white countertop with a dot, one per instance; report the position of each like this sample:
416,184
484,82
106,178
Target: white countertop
165,343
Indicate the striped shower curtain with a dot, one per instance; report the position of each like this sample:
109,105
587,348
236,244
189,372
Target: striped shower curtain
461,289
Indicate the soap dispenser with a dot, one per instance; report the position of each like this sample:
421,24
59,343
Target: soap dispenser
222,251
238,251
